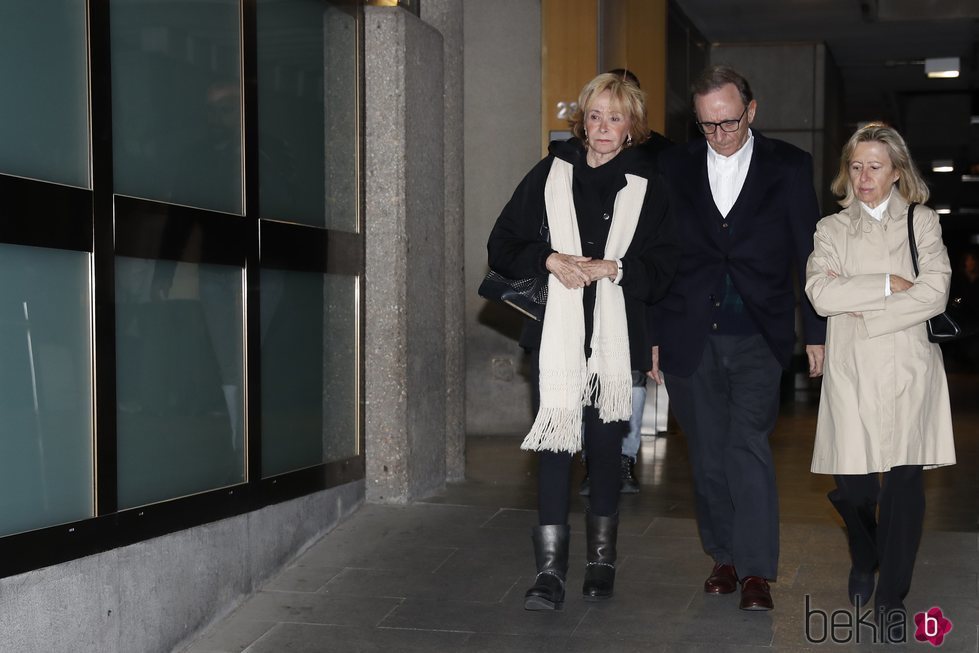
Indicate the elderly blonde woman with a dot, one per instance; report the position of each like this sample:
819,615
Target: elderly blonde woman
593,218
884,407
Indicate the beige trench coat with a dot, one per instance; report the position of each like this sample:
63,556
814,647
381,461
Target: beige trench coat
884,399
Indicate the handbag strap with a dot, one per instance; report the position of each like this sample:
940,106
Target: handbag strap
914,245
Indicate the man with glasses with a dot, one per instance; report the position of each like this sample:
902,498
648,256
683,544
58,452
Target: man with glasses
746,212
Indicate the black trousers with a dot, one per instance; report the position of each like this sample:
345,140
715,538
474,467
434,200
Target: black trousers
889,540
727,409
603,448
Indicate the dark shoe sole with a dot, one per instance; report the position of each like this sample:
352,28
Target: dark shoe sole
595,598
537,603
628,488
757,608
717,592
755,595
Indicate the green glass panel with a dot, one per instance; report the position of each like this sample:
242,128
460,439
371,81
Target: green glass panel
176,102
310,397
46,475
307,118
179,379
44,111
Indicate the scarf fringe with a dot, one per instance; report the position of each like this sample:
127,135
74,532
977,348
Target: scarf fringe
614,398
610,379
555,429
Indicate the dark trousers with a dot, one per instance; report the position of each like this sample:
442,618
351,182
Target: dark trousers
603,448
889,540
727,408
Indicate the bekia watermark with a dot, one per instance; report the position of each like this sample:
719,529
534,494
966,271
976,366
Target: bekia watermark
860,625
931,626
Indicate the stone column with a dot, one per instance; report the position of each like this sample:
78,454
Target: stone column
446,17
405,271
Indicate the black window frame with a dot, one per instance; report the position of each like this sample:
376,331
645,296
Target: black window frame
106,225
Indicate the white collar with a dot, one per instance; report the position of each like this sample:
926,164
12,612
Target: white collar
739,158
877,213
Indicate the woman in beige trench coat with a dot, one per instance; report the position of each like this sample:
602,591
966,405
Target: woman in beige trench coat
884,404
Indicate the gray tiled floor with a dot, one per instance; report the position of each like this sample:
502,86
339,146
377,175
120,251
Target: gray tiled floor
449,573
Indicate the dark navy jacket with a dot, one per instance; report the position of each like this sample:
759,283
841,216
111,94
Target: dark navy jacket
766,235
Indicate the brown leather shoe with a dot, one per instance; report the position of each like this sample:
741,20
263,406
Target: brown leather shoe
723,579
755,594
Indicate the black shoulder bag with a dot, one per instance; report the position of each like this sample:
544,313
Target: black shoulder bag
529,296
959,319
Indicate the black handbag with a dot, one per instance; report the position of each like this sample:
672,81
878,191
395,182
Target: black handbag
529,296
960,319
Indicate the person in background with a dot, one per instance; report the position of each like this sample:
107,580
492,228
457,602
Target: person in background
745,211
594,218
884,410
965,285
652,146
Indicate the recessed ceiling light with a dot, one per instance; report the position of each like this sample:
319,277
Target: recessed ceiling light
943,210
942,165
942,67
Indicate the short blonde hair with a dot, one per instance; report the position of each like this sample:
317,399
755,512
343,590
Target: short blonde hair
628,97
909,181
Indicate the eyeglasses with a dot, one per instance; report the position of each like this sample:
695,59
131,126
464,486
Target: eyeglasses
725,125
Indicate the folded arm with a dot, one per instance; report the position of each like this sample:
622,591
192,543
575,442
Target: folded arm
927,295
830,291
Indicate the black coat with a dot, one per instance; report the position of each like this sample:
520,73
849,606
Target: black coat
519,246
766,235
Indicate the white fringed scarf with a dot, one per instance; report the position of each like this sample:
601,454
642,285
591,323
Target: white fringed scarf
567,381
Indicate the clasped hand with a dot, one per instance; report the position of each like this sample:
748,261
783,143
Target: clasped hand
579,271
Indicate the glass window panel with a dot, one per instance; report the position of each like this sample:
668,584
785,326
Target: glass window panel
44,112
176,101
341,366
310,397
307,118
179,379
46,469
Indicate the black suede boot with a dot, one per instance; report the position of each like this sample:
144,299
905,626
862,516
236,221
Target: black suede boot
861,533
600,537
551,552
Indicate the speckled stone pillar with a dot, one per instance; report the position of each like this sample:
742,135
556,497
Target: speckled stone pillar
405,270
446,17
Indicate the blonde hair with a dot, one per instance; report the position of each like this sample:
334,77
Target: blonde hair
628,97
909,181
